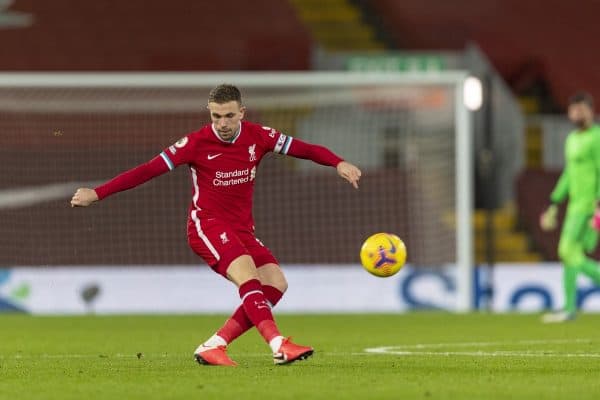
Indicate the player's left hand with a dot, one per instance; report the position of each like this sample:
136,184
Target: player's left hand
595,221
349,172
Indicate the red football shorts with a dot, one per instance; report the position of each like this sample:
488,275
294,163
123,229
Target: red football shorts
219,244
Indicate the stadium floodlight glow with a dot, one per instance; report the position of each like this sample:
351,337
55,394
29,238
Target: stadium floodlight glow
473,93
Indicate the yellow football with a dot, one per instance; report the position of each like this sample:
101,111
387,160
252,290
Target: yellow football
383,254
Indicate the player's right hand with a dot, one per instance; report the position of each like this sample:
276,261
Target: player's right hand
83,197
548,219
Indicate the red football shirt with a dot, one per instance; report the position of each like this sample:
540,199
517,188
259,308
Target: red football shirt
223,172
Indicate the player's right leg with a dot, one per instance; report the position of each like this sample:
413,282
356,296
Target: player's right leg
244,274
274,286
570,252
273,283
578,239
568,313
218,246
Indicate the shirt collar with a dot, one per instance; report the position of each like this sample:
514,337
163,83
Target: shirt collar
237,134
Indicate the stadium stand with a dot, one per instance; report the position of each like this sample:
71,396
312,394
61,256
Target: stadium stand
338,25
175,35
504,31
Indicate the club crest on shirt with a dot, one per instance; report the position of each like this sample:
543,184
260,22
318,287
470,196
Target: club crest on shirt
224,237
181,142
252,151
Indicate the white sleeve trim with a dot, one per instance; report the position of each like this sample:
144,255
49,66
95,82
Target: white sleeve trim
167,160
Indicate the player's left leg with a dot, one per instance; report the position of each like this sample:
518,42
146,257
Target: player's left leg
580,239
590,239
589,266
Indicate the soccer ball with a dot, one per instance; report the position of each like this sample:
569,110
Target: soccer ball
383,254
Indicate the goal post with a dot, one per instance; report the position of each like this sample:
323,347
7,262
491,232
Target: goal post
410,133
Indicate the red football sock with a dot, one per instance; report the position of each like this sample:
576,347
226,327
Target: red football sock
258,310
238,323
235,326
272,294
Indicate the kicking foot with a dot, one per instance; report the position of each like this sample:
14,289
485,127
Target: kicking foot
558,317
213,355
289,352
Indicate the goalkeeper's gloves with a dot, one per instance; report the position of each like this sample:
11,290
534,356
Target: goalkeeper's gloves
596,220
549,218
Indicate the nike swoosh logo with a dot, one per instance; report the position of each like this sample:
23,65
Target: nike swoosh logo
211,156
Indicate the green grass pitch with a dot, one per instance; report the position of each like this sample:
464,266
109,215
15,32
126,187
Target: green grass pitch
421,356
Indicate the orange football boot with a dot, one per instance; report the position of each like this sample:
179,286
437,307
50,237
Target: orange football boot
213,356
289,352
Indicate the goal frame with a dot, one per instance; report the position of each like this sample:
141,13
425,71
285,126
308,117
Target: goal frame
455,78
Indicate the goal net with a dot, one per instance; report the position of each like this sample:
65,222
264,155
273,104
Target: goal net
408,134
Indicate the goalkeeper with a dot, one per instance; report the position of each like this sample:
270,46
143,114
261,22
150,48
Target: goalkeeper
580,182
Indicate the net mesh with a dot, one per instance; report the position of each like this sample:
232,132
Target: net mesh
57,139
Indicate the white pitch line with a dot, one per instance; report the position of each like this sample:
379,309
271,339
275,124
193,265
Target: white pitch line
476,344
420,349
324,354
190,356
67,356
491,354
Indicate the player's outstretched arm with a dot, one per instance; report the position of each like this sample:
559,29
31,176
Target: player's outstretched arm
83,197
322,155
349,172
127,180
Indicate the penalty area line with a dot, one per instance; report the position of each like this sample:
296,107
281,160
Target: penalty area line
425,349
487,354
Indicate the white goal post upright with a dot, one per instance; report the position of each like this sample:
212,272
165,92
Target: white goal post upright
338,87
465,259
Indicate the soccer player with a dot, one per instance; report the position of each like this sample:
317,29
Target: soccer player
580,183
223,158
